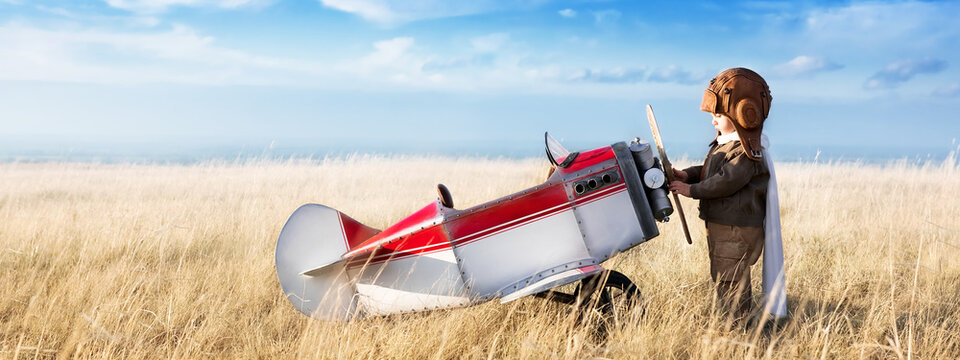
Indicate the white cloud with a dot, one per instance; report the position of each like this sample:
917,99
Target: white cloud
56,11
609,75
483,53
951,90
899,72
139,20
881,25
388,51
675,74
489,43
375,11
393,12
609,16
567,13
395,61
445,63
671,74
805,65
159,6
181,55
176,55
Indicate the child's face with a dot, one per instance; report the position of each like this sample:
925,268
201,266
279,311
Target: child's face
723,124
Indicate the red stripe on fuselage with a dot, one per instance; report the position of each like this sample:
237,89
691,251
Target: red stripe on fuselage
472,226
499,229
419,220
427,240
473,221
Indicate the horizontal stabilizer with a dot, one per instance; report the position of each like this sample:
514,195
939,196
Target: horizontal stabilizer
313,271
319,269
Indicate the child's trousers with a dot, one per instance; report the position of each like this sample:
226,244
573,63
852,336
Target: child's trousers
733,249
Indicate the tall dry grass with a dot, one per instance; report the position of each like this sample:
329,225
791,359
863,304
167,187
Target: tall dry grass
161,261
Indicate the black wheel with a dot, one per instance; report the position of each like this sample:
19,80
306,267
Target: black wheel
611,293
605,299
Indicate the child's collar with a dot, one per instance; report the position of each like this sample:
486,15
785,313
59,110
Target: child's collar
723,139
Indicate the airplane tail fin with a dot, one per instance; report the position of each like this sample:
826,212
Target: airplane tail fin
309,265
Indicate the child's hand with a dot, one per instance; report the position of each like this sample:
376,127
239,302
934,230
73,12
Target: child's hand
681,188
680,175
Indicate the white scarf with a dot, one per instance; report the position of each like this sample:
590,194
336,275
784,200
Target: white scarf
723,139
774,280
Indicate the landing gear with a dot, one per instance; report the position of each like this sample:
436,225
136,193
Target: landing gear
602,299
609,293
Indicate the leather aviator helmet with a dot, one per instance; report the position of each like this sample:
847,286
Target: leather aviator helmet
743,96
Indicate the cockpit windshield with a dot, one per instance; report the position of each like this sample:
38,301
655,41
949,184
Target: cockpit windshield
558,155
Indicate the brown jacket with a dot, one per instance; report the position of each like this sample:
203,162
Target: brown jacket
731,187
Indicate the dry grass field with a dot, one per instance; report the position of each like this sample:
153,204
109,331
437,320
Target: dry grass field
176,261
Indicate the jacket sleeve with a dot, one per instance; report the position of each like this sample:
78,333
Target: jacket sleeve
693,174
733,176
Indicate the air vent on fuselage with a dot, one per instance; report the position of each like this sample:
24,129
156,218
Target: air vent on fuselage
595,182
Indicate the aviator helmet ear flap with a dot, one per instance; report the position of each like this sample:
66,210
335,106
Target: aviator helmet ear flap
749,124
749,113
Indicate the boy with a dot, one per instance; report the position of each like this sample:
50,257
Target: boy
732,186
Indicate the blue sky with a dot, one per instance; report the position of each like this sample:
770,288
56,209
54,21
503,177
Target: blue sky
484,74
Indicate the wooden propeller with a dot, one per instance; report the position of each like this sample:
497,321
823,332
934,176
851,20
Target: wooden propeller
667,169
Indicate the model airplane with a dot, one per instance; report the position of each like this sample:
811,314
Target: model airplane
596,204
